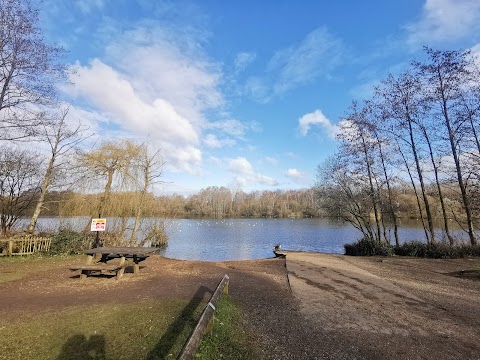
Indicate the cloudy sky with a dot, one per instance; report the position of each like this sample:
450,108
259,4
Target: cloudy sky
244,94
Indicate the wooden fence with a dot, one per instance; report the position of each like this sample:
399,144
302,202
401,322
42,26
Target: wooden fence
24,246
205,324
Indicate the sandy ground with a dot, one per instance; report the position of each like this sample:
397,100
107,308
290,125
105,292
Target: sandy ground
307,306
396,307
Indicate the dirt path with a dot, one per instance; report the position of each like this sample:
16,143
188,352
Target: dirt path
337,307
397,308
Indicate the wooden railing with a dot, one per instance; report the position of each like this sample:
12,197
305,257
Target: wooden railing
24,246
205,323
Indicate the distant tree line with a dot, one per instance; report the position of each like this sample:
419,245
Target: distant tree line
214,202
419,130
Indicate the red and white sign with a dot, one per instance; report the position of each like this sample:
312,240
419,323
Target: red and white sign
98,224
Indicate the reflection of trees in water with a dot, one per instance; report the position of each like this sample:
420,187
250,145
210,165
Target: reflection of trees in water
79,347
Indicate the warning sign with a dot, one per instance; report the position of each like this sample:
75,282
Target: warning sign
98,224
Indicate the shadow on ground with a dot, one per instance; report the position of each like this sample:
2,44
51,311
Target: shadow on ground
468,274
185,319
79,347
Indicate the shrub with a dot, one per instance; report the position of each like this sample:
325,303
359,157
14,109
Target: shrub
368,247
412,248
436,251
67,242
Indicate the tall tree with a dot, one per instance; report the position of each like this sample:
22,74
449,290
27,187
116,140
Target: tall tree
358,144
29,69
402,106
148,167
446,76
62,140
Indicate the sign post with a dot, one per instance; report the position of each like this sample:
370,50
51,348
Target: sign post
98,225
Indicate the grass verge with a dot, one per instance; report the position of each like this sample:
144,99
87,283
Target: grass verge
145,330
228,340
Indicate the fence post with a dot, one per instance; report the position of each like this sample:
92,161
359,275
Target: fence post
10,247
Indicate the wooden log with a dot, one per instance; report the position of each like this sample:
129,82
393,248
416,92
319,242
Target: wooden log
205,323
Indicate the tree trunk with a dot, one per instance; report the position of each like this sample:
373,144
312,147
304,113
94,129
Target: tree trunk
41,199
416,194
440,194
420,178
390,202
372,189
461,184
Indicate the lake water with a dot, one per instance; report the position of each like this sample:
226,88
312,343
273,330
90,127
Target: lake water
243,239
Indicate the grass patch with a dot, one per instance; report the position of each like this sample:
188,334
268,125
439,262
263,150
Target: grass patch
147,330
228,340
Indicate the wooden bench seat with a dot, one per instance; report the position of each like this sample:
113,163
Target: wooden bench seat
100,267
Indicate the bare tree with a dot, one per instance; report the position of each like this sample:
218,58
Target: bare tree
445,75
29,69
402,106
148,169
344,194
62,140
358,144
19,184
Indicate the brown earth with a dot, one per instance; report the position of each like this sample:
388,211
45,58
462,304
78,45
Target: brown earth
337,307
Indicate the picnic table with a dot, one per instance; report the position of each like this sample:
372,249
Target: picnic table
113,259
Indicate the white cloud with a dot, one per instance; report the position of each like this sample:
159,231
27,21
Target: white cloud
246,175
152,84
316,118
233,127
243,59
300,64
271,160
295,175
87,6
212,141
162,64
444,20
114,95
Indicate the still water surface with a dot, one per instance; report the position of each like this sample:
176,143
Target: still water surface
243,239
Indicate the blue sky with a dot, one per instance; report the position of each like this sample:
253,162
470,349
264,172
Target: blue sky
243,94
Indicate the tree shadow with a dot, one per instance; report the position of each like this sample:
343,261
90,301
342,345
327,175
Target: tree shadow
185,318
79,347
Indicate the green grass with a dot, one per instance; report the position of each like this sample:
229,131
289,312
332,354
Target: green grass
228,340
147,330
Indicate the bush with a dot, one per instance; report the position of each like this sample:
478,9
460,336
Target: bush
436,251
67,242
368,247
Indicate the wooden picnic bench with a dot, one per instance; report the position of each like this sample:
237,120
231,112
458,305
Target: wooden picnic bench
106,265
